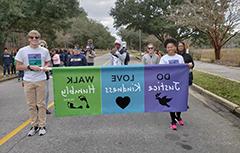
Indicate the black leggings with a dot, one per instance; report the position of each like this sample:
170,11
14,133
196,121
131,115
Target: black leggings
174,116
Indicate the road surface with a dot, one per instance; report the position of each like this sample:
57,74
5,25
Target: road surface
209,128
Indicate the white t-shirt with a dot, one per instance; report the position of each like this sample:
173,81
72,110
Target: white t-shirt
34,57
56,59
175,59
115,60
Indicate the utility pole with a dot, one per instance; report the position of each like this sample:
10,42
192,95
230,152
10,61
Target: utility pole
140,40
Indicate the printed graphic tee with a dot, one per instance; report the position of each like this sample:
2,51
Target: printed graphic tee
34,57
175,59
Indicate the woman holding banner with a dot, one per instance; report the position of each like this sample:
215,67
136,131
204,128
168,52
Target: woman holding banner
187,59
173,58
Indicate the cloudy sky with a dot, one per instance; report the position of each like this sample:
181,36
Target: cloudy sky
99,10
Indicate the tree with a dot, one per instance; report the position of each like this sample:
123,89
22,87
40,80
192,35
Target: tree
152,39
46,16
10,13
149,16
234,43
218,19
83,29
131,37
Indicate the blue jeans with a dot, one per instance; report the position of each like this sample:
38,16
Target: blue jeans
6,67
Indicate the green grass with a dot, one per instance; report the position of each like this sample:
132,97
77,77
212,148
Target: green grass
227,89
135,53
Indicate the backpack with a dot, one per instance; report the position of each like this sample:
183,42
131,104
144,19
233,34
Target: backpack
127,59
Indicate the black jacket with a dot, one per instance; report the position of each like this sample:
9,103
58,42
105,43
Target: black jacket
187,58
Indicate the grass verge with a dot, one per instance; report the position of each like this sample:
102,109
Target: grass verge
135,53
229,56
225,88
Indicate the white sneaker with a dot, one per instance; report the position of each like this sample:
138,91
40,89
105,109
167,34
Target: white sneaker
42,131
33,131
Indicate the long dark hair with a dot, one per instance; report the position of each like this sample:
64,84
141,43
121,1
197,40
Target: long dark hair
184,47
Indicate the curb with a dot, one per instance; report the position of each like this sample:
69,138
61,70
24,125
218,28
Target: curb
8,78
234,108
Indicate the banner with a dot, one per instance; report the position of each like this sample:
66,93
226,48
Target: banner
120,89
166,88
77,91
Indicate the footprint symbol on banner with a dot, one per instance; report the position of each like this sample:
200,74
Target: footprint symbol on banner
82,99
123,102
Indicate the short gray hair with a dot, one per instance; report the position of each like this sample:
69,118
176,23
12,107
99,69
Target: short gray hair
34,32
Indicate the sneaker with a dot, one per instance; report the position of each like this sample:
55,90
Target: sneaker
42,131
33,131
48,112
180,122
173,126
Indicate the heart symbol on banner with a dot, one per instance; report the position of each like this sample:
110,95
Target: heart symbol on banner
123,102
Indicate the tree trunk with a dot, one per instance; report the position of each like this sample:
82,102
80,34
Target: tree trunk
217,50
2,45
3,38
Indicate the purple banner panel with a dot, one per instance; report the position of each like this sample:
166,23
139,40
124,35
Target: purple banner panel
166,88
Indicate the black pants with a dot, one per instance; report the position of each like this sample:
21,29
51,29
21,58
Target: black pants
175,116
56,65
190,78
90,64
13,69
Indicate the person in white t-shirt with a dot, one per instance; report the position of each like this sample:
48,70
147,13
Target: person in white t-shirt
173,58
56,59
34,60
118,54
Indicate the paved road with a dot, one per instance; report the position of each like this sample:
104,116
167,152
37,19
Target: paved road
209,128
229,72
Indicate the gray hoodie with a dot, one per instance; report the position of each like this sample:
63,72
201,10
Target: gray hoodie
150,59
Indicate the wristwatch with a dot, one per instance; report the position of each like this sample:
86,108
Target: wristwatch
29,68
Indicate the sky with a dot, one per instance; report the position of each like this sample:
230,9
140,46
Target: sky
99,10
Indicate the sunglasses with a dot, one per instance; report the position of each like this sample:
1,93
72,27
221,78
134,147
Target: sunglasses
31,37
150,47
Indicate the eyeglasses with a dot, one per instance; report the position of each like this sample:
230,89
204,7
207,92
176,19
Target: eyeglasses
31,37
150,47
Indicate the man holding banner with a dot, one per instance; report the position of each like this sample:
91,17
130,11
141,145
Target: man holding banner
33,60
